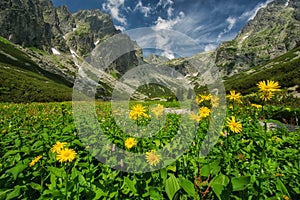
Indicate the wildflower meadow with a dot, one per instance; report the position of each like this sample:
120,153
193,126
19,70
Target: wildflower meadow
43,155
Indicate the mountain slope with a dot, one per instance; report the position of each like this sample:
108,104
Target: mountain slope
22,80
285,69
274,31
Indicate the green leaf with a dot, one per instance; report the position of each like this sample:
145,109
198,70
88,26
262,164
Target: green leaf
281,187
54,194
15,171
163,174
188,187
130,184
219,183
154,194
214,167
77,142
59,172
172,168
15,193
99,193
172,186
36,186
240,183
205,169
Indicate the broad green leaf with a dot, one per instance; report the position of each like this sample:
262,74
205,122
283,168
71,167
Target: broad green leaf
172,186
188,187
219,183
36,186
15,193
240,183
59,172
130,184
205,170
15,171
99,193
214,167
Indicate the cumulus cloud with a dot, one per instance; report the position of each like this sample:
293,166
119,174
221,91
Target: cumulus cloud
231,22
113,6
167,23
146,10
121,28
164,3
210,47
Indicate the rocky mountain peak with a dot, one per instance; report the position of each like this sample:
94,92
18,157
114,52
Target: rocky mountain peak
274,31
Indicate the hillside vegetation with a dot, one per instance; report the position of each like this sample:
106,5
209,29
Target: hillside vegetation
22,80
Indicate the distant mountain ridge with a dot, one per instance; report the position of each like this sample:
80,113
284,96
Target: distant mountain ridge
275,30
53,42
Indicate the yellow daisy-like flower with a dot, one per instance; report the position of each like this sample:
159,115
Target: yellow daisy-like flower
215,101
267,89
158,110
152,158
195,117
256,105
66,155
138,111
269,86
233,96
130,142
204,112
34,161
58,147
200,98
266,95
234,126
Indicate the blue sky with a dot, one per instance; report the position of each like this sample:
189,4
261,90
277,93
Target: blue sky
208,22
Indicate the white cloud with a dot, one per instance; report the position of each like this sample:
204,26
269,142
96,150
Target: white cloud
210,47
121,28
113,6
231,22
168,23
170,12
164,3
168,54
146,10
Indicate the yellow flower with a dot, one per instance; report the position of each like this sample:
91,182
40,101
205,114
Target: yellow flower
267,89
269,86
285,197
34,161
200,98
266,95
137,112
158,110
256,105
130,142
58,147
233,96
66,155
234,126
152,158
204,112
215,101
195,117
